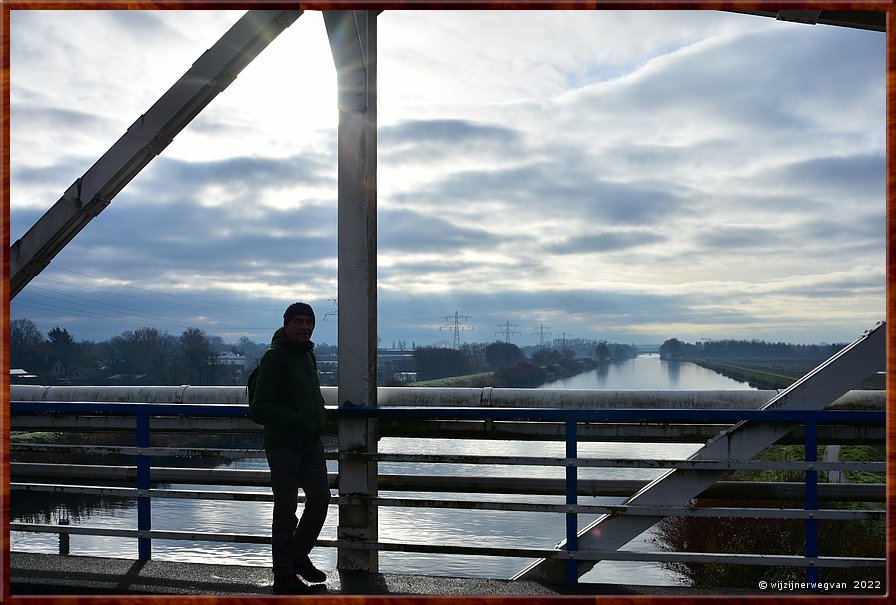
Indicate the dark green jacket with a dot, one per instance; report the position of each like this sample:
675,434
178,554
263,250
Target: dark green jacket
293,413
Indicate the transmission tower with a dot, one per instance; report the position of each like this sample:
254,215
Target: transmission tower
541,332
457,326
335,312
507,332
563,341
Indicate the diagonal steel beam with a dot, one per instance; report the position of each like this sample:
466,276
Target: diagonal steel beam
143,141
743,441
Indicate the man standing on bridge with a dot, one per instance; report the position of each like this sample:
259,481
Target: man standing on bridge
288,400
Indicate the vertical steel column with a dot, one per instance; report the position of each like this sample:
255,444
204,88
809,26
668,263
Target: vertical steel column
144,503
811,480
352,36
572,499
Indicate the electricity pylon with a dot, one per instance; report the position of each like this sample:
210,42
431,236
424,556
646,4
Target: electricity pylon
541,332
457,326
507,332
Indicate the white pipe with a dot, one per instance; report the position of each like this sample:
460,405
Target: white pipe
444,397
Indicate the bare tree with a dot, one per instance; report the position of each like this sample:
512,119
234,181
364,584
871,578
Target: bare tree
26,342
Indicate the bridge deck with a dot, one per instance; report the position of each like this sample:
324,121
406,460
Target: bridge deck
44,574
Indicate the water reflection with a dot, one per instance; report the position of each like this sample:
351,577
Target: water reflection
649,372
673,371
396,524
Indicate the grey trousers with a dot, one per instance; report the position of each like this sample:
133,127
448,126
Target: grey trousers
302,467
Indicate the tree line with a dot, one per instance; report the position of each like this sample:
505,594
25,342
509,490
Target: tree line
143,356
149,356
508,360
745,349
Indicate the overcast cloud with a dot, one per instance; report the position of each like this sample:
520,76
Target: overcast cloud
629,176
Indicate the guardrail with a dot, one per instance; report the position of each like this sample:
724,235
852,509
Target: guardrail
569,424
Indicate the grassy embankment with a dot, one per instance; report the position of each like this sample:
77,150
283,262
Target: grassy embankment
759,378
862,538
778,536
34,436
470,380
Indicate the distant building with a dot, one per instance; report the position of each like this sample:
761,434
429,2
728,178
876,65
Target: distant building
20,376
83,376
231,359
58,372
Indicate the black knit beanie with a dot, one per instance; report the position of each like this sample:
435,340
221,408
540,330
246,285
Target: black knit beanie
298,308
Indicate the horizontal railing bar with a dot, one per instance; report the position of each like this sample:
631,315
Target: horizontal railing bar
629,432
580,555
621,555
154,534
744,512
598,415
616,463
118,408
667,432
200,476
740,559
671,432
128,450
751,490
82,530
448,397
622,509
75,422
581,462
461,413
133,492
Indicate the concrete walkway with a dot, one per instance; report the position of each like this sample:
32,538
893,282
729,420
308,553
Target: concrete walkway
43,574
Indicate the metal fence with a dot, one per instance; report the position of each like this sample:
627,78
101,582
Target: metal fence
570,425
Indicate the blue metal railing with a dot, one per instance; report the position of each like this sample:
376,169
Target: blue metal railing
810,419
142,412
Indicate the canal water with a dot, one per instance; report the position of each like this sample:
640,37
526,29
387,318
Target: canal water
648,372
419,525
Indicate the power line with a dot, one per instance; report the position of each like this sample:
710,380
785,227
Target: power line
97,296
541,332
563,341
457,326
507,332
96,305
178,297
335,311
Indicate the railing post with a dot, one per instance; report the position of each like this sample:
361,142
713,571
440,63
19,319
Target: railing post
811,499
572,492
144,503
64,539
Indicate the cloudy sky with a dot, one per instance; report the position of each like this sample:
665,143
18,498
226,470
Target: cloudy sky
629,176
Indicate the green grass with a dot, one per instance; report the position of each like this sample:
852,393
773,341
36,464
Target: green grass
34,436
796,453
854,538
455,381
767,380
863,453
